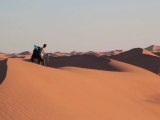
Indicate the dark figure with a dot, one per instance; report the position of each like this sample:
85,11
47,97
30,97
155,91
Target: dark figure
38,53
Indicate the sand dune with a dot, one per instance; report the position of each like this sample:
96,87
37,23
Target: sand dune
18,55
141,58
157,53
84,61
2,56
34,92
73,53
149,53
89,61
59,54
114,52
25,53
153,48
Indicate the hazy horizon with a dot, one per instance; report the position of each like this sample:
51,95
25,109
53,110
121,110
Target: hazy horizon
78,25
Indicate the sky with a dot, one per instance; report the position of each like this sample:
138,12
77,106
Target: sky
78,25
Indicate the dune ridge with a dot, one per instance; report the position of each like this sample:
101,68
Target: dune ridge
141,58
153,48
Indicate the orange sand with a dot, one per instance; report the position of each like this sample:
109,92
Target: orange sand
34,92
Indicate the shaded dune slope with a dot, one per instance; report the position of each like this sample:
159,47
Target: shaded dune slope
157,53
83,61
3,70
25,53
140,58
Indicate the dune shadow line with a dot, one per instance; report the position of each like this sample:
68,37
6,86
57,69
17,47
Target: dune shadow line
138,58
3,70
82,61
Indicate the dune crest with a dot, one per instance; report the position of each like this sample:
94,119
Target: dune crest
153,48
141,58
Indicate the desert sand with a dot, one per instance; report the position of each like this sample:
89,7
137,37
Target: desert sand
2,56
80,91
157,53
141,58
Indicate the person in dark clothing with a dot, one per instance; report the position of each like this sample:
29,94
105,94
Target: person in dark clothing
38,53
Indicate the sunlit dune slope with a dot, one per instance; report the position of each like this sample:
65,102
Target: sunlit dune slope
34,92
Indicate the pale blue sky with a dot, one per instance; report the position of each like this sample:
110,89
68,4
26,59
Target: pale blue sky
81,25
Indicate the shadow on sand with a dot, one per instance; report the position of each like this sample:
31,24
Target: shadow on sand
3,70
137,58
82,61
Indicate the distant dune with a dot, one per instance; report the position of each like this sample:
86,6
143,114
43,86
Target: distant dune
2,56
25,53
73,53
59,54
108,53
141,58
153,48
13,55
18,55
